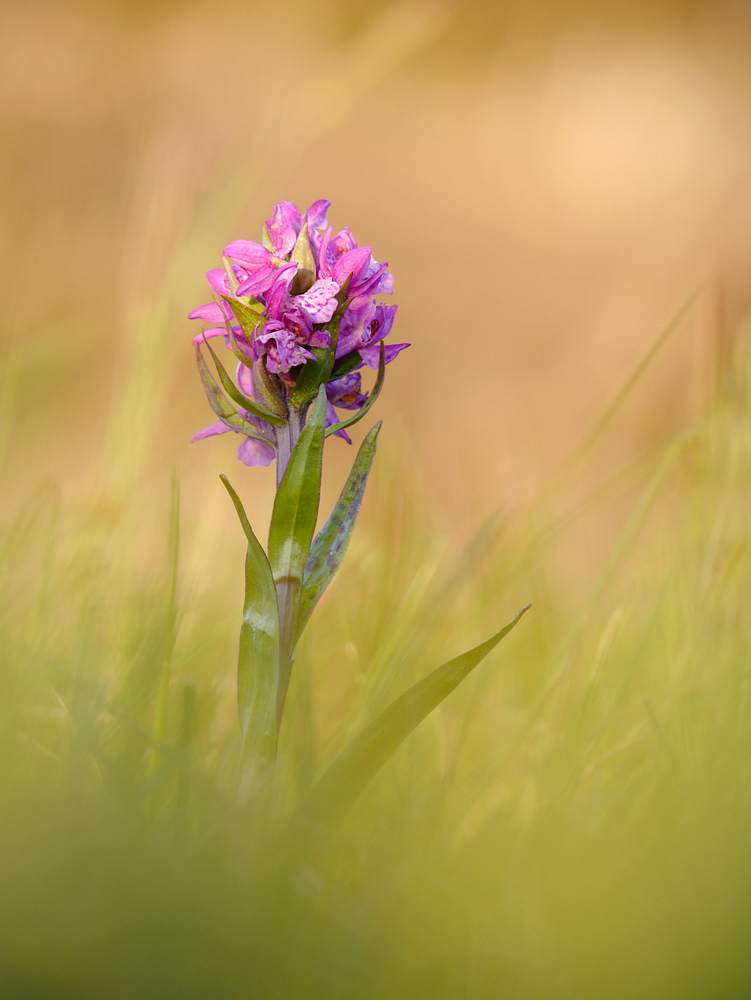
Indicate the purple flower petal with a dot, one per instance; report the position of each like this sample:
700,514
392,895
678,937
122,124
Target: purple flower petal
259,281
352,330
342,242
354,262
218,280
249,253
244,379
316,214
210,313
346,391
319,302
214,331
253,452
211,431
371,355
278,291
283,227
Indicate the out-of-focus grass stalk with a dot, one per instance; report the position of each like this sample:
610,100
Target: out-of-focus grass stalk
170,627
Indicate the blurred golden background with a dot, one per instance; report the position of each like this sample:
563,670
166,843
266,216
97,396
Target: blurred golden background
550,182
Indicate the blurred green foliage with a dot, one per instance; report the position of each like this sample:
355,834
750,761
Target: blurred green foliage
573,822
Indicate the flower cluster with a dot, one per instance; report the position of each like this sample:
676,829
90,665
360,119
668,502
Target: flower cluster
302,297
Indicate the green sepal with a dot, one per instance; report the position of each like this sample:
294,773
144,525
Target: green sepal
302,255
371,398
239,353
266,238
222,406
258,661
247,402
268,388
231,279
248,317
332,540
354,767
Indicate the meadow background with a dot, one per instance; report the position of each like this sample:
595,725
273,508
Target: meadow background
562,191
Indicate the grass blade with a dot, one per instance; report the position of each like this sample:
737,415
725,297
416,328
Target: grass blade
368,752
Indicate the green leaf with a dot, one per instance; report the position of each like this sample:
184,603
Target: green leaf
293,523
331,542
368,752
222,406
236,349
247,402
258,663
371,398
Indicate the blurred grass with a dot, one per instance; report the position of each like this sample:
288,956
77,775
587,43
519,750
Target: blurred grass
574,822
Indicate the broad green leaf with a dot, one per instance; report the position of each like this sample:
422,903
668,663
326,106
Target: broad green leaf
331,542
293,522
222,406
247,402
368,752
371,398
258,663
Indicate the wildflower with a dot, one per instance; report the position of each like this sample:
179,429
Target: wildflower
280,305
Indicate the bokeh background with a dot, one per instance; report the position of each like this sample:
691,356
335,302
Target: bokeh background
549,182
562,191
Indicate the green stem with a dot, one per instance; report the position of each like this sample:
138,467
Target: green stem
287,591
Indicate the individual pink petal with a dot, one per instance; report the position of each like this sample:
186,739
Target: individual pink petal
342,242
214,331
283,227
254,452
324,265
352,262
210,313
244,378
316,214
276,294
258,282
248,252
211,431
218,280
